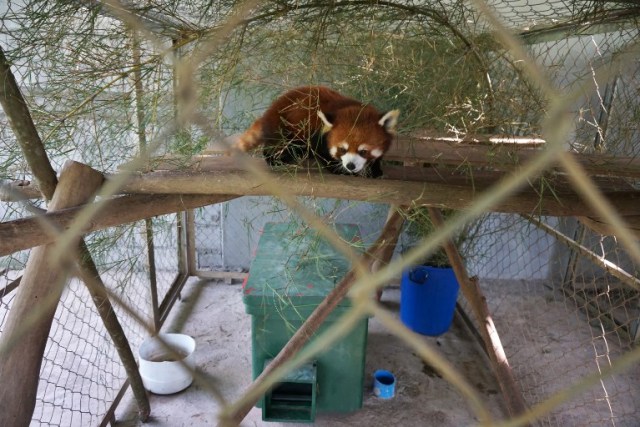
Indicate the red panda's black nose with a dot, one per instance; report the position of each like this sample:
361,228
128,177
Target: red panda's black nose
351,166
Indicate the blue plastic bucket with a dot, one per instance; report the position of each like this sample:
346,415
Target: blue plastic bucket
428,299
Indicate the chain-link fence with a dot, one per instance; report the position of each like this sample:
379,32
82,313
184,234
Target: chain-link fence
562,314
81,373
227,234
108,82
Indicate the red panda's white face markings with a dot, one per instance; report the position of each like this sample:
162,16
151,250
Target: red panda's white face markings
354,160
339,150
366,151
357,136
353,163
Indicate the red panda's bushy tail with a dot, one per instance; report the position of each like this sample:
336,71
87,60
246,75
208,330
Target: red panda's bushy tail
251,139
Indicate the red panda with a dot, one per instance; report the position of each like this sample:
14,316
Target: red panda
344,135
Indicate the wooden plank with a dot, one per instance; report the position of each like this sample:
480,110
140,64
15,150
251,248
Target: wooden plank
489,152
497,152
500,156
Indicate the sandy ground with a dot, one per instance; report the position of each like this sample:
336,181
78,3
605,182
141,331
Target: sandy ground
552,345
214,314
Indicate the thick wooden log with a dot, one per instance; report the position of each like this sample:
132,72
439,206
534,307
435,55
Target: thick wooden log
26,233
26,330
228,175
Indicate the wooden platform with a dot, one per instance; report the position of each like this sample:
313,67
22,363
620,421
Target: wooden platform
435,171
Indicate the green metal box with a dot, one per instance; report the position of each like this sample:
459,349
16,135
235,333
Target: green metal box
293,270
294,397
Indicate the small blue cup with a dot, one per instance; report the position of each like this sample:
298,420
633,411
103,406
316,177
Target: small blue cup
384,384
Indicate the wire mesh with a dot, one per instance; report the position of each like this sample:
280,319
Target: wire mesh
227,234
562,317
566,297
81,373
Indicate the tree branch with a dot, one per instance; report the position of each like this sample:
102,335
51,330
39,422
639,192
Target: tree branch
23,127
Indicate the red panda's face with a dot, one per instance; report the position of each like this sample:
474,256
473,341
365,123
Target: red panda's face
354,158
357,138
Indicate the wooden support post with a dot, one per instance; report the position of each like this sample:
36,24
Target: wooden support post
471,291
26,330
17,111
379,252
153,278
190,227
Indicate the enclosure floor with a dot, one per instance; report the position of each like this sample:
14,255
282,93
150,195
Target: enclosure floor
214,314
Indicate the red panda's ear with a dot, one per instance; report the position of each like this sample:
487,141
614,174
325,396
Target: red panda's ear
326,124
389,121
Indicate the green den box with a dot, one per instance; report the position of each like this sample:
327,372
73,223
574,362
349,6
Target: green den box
293,270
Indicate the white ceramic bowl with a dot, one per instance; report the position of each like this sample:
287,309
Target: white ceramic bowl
163,373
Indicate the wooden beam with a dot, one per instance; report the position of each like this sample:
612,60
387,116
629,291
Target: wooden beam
488,152
445,150
28,232
225,174
15,107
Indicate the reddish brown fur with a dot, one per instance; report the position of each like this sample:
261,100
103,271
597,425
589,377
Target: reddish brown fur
294,115
350,137
357,125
